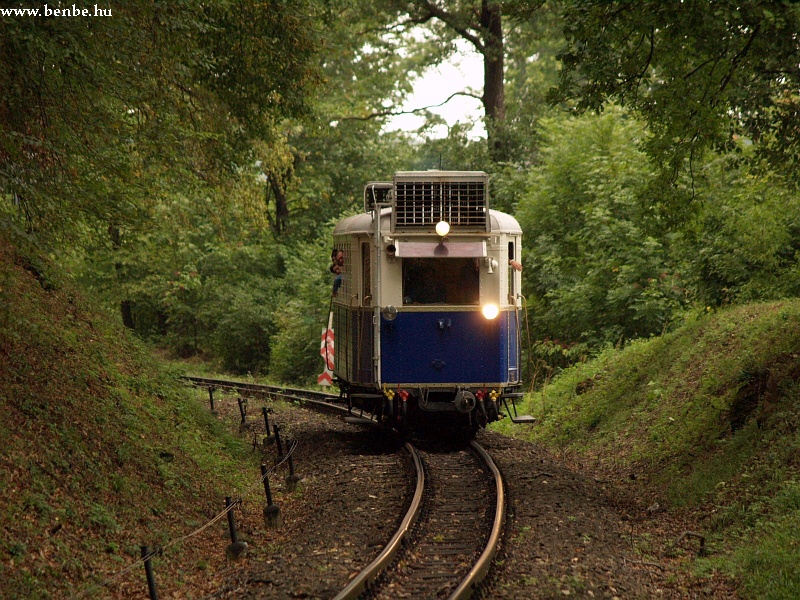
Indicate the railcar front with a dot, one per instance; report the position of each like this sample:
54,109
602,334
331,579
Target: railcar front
427,307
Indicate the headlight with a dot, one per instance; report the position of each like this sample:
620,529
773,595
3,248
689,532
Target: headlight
389,313
442,228
490,311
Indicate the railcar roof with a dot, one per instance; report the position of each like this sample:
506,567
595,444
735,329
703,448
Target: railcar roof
362,223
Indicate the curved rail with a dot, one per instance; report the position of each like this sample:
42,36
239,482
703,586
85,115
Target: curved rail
481,567
468,584
376,567
294,393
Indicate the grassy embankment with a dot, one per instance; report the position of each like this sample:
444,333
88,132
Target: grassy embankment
102,450
708,417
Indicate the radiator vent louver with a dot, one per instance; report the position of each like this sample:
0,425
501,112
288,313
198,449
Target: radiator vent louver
463,204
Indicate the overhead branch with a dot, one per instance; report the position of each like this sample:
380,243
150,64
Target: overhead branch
454,23
397,113
399,25
739,55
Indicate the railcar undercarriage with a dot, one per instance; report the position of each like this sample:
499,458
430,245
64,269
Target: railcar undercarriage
462,408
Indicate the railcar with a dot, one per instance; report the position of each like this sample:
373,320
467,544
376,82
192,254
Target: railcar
426,302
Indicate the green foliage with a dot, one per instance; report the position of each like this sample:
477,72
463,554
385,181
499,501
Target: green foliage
338,160
508,185
596,263
261,58
302,313
370,61
197,282
243,323
744,244
697,72
456,152
532,41
100,115
606,257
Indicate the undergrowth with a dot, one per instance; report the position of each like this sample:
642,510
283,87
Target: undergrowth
707,418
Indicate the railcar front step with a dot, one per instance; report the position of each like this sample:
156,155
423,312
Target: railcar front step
353,420
515,418
524,419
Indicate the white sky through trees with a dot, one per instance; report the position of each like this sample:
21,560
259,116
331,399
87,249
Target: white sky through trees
461,72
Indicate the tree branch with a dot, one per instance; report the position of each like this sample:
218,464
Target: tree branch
739,55
451,21
395,113
398,26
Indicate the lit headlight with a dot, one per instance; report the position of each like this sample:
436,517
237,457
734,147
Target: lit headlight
442,228
490,311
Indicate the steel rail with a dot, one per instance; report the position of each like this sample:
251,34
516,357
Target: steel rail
484,562
359,583
257,387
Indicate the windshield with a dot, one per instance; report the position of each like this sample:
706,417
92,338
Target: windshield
440,281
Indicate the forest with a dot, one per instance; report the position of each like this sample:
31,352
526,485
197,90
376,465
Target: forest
185,162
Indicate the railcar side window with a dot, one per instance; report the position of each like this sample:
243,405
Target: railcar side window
340,267
441,281
366,276
512,281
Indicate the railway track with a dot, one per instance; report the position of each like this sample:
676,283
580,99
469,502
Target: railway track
461,511
446,541
288,393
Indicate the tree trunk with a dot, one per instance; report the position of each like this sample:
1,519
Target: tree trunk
125,306
277,185
126,310
494,99
486,35
281,208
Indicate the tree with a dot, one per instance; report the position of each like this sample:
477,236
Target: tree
597,264
426,30
481,24
700,73
98,115
325,159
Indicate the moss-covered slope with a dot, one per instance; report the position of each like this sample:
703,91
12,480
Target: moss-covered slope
102,450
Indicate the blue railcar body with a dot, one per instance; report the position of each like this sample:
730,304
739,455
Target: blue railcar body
448,347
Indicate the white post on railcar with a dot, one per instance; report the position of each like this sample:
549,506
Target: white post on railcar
377,290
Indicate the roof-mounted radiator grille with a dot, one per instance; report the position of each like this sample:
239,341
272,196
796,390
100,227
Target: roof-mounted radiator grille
424,200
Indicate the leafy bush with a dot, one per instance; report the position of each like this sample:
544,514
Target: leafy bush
302,313
596,263
745,243
242,286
